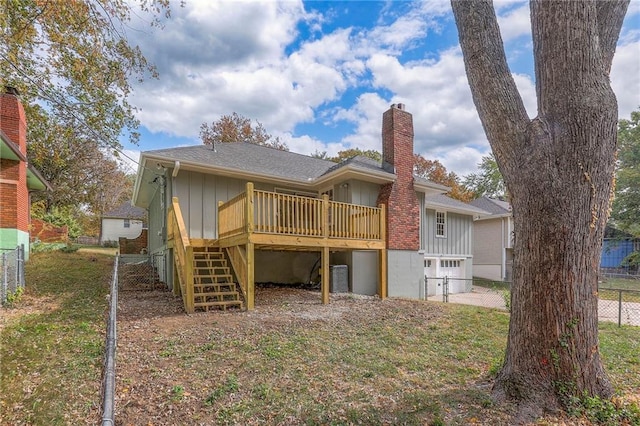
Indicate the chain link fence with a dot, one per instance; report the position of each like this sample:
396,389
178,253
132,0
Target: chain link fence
12,270
619,298
141,272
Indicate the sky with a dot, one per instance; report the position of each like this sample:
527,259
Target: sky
320,74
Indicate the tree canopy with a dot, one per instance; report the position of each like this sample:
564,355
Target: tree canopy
488,181
625,213
74,57
434,171
238,128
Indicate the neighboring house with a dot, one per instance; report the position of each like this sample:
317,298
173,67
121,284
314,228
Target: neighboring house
493,240
448,243
276,216
617,245
125,221
17,177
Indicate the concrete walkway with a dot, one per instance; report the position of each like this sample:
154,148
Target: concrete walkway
488,298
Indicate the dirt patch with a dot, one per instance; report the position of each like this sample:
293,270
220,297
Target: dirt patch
174,368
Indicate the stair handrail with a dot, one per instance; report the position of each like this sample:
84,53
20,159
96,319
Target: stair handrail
182,254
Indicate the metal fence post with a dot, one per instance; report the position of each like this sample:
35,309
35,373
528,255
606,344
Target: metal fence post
445,289
619,308
5,277
20,267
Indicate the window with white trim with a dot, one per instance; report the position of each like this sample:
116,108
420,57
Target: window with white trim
449,263
127,223
441,224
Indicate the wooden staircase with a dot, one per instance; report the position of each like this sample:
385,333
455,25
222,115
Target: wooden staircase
213,285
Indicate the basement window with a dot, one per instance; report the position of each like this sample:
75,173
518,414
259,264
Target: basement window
441,224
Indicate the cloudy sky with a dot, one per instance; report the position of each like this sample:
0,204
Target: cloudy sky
319,74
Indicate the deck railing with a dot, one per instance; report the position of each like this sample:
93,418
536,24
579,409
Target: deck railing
274,213
182,254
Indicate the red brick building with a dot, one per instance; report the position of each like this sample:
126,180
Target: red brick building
17,177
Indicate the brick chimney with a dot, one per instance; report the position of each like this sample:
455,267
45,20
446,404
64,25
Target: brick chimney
403,211
12,118
13,174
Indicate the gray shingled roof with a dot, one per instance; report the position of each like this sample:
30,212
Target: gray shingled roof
448,202
250,158
492,205
126,211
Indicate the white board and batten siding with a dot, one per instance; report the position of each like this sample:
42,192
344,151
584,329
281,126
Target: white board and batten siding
450,255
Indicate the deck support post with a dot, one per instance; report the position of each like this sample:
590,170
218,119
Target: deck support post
382,281
188,285
382,254
251,289
176,280
325,275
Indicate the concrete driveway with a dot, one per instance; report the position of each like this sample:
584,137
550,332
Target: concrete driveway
488,298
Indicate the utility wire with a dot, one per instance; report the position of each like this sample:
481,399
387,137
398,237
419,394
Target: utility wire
53,99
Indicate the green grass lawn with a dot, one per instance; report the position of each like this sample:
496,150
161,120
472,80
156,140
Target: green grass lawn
404,362
52,343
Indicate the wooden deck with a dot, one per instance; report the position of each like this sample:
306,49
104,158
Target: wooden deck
272,221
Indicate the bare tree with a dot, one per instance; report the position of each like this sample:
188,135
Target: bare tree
558,168
238,128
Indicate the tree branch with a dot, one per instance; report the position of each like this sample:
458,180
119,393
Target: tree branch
493,88
610,16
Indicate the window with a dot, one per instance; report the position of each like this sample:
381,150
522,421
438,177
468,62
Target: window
449,263
441,224
127,223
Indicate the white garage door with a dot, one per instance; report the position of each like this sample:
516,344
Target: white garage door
451,268
454,269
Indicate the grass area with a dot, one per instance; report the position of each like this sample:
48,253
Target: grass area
388,371
393,362
608,288
620,283
52,342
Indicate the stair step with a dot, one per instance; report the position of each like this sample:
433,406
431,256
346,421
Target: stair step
208,254
217,294
204,288
224,305
208,268
213,278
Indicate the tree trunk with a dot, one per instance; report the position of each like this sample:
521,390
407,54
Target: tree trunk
558,169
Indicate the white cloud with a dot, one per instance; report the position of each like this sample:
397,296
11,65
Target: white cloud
216,58
514,22
625,77
462,161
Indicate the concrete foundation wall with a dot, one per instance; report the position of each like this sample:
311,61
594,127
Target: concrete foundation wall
12,238
405,274
284,267
364,272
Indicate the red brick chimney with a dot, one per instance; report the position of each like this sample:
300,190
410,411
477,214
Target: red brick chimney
12,118
403,211
14,194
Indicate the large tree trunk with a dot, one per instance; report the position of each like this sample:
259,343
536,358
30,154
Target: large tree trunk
558,169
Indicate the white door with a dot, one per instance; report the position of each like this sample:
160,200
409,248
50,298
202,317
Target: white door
433,280
454,270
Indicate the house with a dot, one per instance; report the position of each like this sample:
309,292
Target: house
247,213
616,246
448,243
17,177
493,243
493,240
124,221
